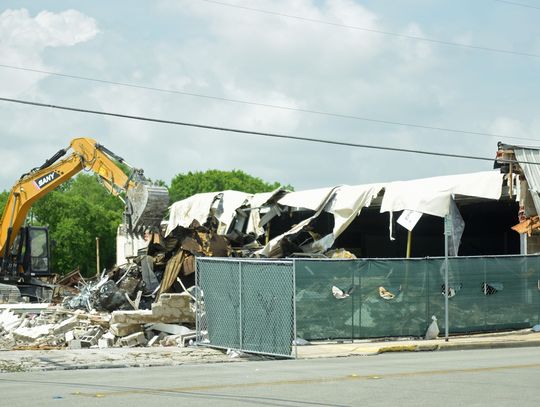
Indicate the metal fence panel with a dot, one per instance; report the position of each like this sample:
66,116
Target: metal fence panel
220,317
246,305
267,307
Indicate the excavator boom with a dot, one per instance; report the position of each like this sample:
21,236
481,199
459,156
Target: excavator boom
145,203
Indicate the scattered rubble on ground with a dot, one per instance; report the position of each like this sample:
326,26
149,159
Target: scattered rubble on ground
142,303
169,322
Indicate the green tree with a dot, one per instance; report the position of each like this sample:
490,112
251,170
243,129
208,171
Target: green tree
186,185
3,200
76,214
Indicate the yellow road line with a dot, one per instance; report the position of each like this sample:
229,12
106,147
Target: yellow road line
351,377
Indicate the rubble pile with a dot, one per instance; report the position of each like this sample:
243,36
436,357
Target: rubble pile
168,322
142,303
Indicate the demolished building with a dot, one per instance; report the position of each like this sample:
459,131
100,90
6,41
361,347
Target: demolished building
490,213
367,220
395,219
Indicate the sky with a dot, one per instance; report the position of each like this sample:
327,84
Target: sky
221,63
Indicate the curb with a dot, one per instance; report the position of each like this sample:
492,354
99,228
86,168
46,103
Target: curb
447,346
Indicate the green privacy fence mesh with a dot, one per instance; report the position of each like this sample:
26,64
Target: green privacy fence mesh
397,297
246,305
261,306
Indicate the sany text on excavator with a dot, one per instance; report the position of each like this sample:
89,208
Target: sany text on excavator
24,250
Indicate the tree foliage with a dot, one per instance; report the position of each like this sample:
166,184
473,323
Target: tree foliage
186,185
76,214
3,200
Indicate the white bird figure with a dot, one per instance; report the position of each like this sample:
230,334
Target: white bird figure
340,294
384,293
433,329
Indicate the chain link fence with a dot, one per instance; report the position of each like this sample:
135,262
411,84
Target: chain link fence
264,306
247,305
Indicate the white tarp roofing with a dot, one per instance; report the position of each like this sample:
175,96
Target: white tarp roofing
347,203
310,199
199,206
433,195
344,202
429,195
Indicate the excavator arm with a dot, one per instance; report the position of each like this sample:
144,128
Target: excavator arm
145,207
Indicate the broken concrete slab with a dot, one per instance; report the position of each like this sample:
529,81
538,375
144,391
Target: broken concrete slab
29,334
9,320
65,325
121,329
132,317
136,339
171,308
78,344
104,343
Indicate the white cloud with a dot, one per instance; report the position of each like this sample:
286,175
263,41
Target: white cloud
24,38
203,48
23,42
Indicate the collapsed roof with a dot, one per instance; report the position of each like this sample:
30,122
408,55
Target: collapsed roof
250,213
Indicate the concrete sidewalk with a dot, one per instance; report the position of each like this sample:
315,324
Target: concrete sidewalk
73,359
514,339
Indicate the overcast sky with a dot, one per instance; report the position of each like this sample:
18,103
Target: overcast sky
206,48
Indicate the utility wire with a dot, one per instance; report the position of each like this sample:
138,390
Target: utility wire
254,133
373,30
280,107
514,3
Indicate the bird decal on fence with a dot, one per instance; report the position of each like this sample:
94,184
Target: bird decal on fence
385,294
340,294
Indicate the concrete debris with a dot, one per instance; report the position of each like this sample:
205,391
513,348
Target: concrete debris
136,339
168,322
104,343
178,340
120,330
8,320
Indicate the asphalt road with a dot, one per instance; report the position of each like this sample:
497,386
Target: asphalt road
498,377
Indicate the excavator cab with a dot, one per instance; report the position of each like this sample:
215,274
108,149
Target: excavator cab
30,253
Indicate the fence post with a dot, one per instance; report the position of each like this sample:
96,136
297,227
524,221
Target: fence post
294,309
240,302
447,231
198,299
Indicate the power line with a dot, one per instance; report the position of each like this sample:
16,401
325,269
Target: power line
280,107
373,30
514,3
250,132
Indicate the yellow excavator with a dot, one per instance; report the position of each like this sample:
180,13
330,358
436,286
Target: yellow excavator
24,250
